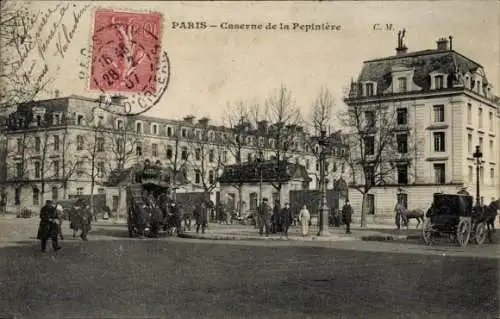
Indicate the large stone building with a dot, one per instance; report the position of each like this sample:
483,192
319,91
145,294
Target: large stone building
445,107
69,146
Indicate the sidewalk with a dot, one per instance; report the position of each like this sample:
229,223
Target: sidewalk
248,232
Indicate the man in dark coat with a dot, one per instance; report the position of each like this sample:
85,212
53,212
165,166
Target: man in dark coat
200,215
285,219
347,216
48,228
275,223
264,215
177,216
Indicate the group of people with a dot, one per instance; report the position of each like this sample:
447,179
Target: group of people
279,220
51,217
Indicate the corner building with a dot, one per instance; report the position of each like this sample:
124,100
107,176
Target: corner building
447,107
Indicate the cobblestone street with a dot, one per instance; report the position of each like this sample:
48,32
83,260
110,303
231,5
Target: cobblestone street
113,276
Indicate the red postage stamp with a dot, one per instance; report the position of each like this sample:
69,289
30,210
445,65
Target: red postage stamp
125,52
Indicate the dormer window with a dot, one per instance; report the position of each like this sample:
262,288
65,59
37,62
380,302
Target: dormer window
439,80
138,127
369,89
57,119
439,84
467,81
402,84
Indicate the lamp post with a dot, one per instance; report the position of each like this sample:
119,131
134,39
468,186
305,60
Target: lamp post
477,155
323,217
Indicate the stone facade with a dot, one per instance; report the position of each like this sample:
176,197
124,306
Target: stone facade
54,141
450,109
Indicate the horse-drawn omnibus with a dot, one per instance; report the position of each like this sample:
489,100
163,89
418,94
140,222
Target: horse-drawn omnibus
147,202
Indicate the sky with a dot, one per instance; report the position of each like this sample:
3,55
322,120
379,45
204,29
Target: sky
212,68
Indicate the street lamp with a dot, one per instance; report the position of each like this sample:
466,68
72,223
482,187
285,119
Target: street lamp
477,155
323,220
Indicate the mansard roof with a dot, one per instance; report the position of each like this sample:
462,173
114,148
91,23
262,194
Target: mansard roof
249,172
423,62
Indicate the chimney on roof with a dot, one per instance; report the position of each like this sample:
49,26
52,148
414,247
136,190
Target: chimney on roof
401,48
262,126
442,44
451,42
189,119
203,121
56,93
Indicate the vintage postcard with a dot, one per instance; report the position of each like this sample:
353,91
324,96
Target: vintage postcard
275,159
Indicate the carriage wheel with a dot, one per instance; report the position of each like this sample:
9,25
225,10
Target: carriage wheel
480,233
463,232
427,232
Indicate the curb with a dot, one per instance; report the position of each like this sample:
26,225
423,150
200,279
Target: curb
390,237
253,238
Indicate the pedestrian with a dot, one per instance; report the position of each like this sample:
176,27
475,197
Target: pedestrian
275,222
304,218
3,203
48,228
200,215
60,218
86,221
264,217
399,209
75,217
285,220
347,216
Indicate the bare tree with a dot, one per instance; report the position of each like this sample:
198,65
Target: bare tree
206,155
177,153
91,145
122,143
321,119
284,118
378,147
17,42
65,173
238,124
322,111
18,158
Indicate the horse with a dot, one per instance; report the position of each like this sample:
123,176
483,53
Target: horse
417,214
490,213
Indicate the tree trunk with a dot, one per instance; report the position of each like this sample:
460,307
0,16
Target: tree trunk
92,198
65,190
363,210
240,200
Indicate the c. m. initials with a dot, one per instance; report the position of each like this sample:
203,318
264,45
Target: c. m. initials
383,27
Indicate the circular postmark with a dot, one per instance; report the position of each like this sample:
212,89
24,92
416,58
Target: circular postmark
129,71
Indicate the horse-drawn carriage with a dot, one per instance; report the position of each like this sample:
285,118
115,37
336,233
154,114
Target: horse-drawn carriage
149,204
453,215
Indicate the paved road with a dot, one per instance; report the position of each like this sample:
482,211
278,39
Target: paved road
112,276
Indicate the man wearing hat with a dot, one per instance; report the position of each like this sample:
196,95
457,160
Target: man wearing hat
264,214
285,219
48,228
